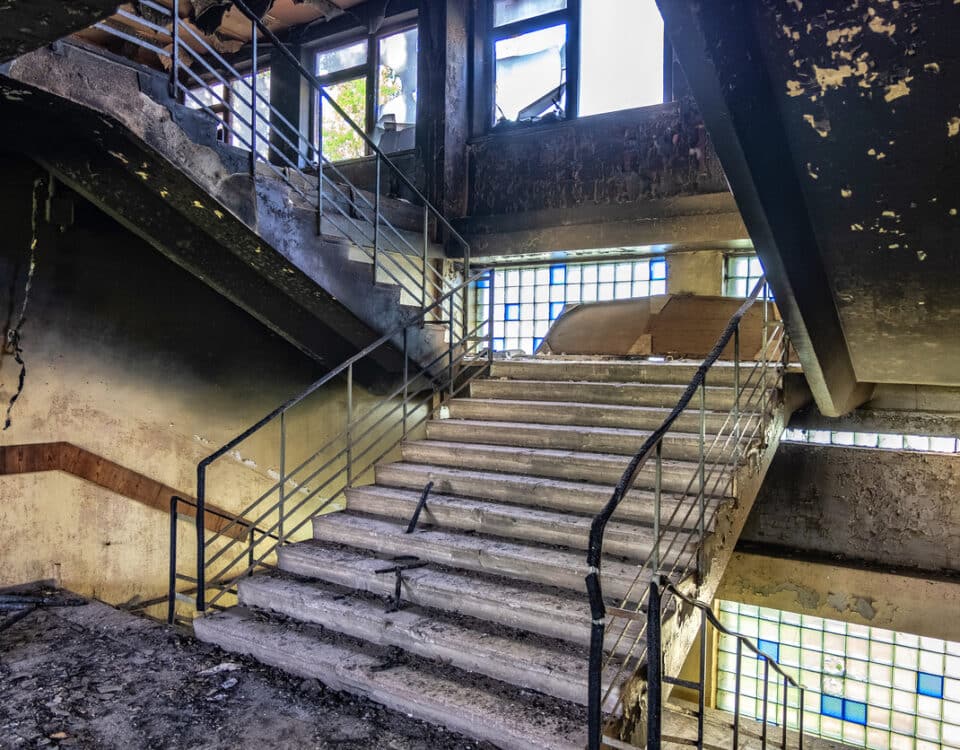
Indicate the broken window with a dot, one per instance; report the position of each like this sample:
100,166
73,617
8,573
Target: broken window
550,59
621,55
231,106
374,80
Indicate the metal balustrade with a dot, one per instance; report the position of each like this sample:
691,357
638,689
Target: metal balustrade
677,552
317,482
201,76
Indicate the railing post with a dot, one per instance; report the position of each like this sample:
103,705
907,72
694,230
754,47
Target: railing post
450,347
736,387
802,708
172,592
654,665
766,684
657,493
253,99
250,551
736,696
406,380
175,52
785,689
491,298
201,536
763,369
426,244
319,162
376,221
350,424
702,499
283,472
703,678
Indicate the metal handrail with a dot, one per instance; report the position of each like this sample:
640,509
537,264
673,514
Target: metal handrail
656,678
651,446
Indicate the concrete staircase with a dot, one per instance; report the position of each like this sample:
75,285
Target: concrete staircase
492,633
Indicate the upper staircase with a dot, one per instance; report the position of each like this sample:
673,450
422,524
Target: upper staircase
452,585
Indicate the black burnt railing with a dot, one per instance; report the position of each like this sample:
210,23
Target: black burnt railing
679,536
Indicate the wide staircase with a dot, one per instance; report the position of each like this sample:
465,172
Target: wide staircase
452,585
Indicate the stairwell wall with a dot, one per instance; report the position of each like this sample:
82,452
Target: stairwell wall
136,360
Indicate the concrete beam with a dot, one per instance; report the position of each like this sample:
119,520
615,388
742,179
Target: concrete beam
875,597
30,24
720,58
876,507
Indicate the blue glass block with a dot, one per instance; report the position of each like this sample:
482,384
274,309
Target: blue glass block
483,283
558,274
930,684
658,270
830,705
511,312
770,648
855,711
498,345
536,343
555,309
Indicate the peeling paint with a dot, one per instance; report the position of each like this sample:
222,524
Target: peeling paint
117,155
812,172
142,175
856,227
878,26
197,204
794,88
846,34
821,126
846,192
953,127
218,213
921,256
932,67
898,89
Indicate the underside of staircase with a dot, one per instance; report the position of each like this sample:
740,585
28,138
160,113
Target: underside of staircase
492,631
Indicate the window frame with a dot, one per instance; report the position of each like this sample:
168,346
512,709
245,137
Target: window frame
368,70
485,64
224,110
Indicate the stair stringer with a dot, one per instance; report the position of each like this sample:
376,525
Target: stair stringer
681,627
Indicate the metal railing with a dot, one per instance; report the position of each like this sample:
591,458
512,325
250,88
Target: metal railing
314,479
205,79
656,677
679,535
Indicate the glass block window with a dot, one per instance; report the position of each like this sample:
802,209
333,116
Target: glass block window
865,686
528,299
740,274
920,443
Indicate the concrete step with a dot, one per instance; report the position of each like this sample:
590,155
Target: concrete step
586,415
509,521
612,440
526,562
612,370
552,667
481,708
595,468
538,609
718,398
555,494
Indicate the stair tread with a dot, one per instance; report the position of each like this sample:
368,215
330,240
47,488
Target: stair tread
553,667
598,492
636,437
474,705
624,408
570,530
529,561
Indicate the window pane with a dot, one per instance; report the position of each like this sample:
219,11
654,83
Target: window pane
341,58
340,141
621,55
508,11
397,91
531,75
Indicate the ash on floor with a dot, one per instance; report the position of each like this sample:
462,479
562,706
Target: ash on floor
95,677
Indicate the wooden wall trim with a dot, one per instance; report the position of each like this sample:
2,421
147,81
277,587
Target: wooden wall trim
60,456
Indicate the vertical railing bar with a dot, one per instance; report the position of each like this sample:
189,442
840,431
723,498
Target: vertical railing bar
491,297
450,346
201,535
657,496
736,386
253,98
319,164
376,221
426,243
350,424
766,683
283,471
172,591
654,665
175,52
251,552
786,688
701,707
802,709
736,696
406,379
703,489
